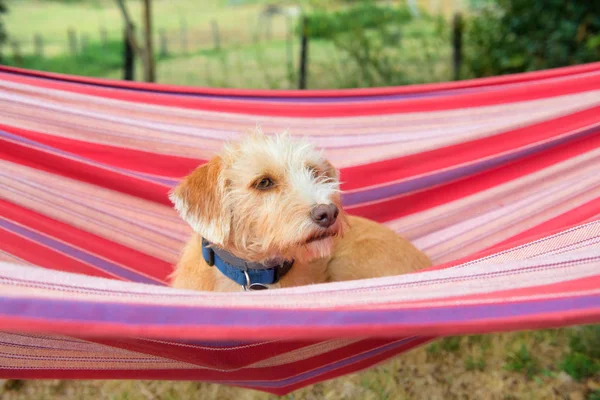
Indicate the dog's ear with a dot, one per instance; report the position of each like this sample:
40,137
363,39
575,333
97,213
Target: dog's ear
199,201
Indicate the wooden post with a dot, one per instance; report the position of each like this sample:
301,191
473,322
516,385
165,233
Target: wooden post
38,44
268,32
164,44
17,57
457,33
103,37
128,55
149,70
303,54
183,35
208,71
254,28
290,48
215,32
72,41
85,39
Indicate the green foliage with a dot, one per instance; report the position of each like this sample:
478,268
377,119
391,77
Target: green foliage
96,60
366,15
522,361
579,365
586,340
378,45
595,395
450,344
472,364
583,358
3,10
524,35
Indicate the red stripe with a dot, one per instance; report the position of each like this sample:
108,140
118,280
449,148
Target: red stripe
555,289
408,89
361,176
569,288
45,257
137,261
207,376
74,169
567,220
220,359
121,157
518,93
354,367
244,357
394,208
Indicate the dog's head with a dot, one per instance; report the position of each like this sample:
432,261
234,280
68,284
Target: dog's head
265,197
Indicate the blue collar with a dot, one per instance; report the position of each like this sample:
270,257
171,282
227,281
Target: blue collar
253,276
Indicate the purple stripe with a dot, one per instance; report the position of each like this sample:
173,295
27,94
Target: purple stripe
83,256
434,179
199,317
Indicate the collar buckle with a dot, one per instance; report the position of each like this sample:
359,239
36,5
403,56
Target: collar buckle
252,286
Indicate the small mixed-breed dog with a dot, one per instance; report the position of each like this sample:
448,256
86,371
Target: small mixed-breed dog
267,213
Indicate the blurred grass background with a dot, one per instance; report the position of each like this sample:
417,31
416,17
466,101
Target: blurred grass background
256,51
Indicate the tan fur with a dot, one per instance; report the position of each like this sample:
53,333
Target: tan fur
220,200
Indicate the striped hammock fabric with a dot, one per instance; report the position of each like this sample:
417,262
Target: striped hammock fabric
497,180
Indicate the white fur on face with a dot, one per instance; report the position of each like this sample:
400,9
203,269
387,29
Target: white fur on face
277,222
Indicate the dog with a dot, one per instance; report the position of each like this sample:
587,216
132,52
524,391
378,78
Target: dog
266,213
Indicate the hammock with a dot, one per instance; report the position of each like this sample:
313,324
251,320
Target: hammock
497,180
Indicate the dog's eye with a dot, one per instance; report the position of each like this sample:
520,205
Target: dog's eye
265,183
314,172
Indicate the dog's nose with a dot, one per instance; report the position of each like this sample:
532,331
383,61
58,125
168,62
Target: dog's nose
324,214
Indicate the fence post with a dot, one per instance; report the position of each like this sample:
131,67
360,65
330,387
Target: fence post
268,31
84,42
103,37
128,56
164,44
216,38
72,41
303,54
457,33
290,48
17,57
38,44
254,29
149,70
183,35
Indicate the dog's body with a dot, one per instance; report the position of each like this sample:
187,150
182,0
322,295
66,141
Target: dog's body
272,198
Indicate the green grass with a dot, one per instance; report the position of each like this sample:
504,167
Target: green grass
522,361
242,63
95,60
583,358
475,363
595,395
53,19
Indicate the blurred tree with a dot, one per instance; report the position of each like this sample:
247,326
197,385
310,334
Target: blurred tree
2,31
510,36
368,34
